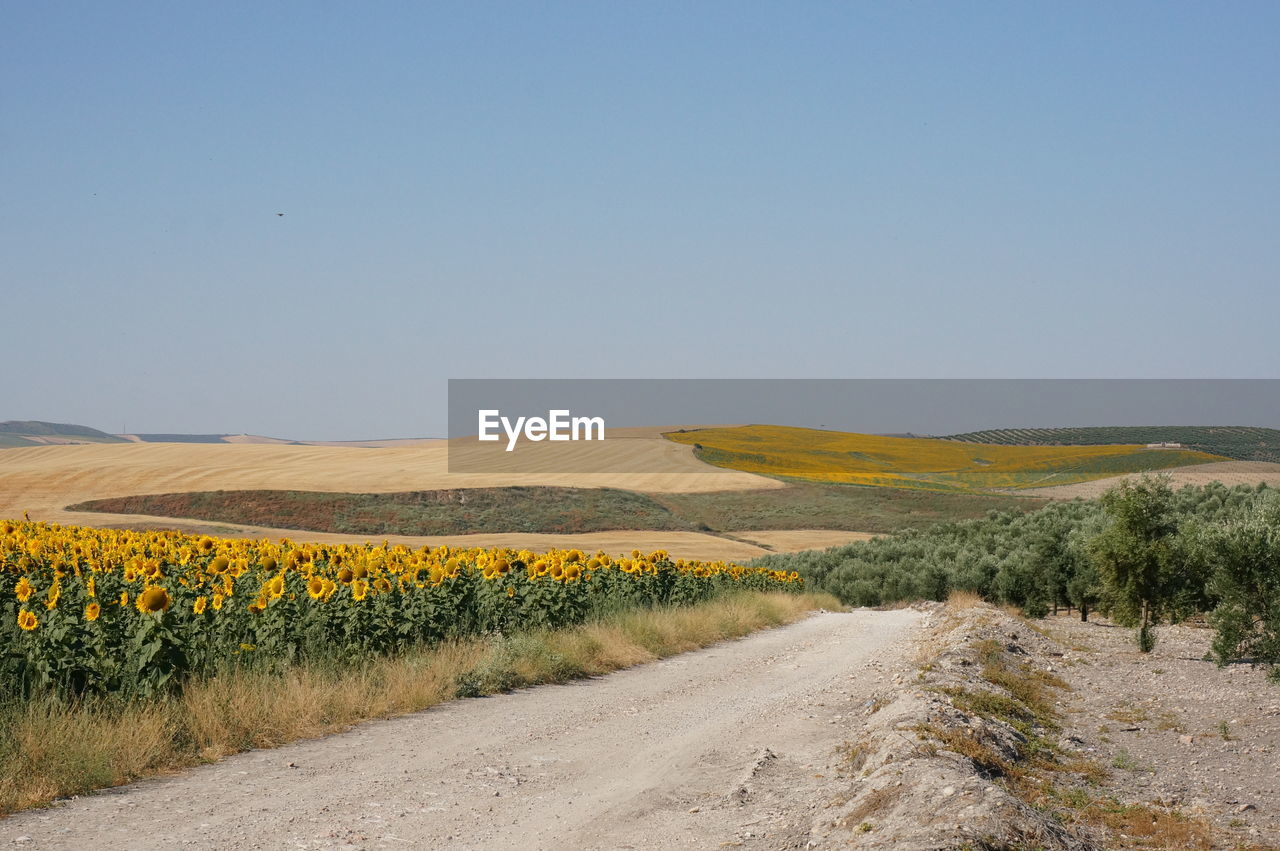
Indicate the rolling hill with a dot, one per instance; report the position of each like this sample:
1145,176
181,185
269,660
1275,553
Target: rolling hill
929,463
40,433
569,510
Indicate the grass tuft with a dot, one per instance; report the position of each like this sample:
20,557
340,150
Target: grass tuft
958,601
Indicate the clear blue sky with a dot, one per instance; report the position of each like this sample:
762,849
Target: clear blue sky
620,189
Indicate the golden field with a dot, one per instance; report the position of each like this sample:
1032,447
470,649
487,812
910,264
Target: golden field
904,462
44,480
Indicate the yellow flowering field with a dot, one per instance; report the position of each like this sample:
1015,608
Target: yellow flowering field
129,613
914,462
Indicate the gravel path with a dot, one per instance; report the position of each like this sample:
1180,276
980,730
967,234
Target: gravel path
723,746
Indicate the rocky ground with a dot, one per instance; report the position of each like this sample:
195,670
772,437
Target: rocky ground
923,770
1060,734
1174,729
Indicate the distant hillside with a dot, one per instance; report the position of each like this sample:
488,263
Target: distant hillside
37,432
36,427
1244,443
16,433
182,438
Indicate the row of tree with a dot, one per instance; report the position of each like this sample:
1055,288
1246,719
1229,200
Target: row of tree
1142,555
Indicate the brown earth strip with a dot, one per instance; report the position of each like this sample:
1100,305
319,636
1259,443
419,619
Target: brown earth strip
1229,473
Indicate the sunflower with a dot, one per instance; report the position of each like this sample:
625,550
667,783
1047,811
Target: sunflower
359,589
218,565
557,571
24,590
573,571
345,576
511,592
200,603
275,588
55,591
154,599
92,611
382,584
124,598
27,620
315,587
217,602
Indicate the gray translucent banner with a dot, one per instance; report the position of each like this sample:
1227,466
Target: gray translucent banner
549,426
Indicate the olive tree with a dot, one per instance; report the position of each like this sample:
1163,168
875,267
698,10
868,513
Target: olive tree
1244,556
1136,555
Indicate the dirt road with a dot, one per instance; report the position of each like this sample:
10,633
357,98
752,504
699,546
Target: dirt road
732,744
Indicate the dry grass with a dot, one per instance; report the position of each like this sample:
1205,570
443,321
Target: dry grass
1127,713
51,749
958,601
225,715
875,802
984,759
1135,825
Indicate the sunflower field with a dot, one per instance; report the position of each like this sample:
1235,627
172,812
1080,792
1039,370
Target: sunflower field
101,611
